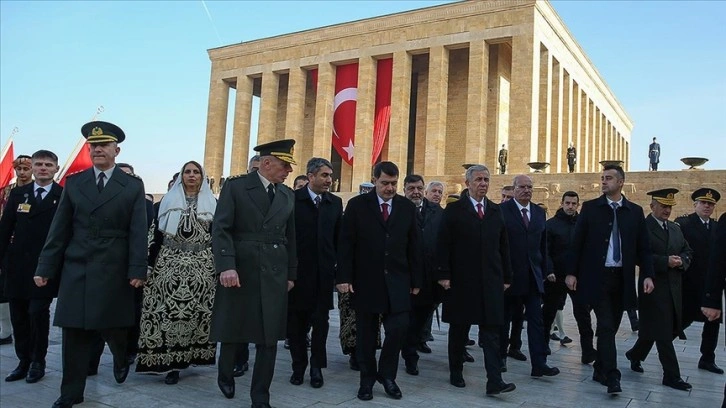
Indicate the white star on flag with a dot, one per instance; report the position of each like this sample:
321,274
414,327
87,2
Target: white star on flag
349,149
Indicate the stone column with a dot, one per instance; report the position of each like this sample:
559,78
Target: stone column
567,112
584,151
400,110
216,128
554,142
295,113
267,126
577,122
594,139
476,105
544,135
364,112
436,110
241,129
324,111
524,97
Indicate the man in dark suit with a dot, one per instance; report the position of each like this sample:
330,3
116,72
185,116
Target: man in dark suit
716,277
662,311
700,232
525,224
318,216
474,269
253,240
428,219
379,261
23,230
97,243
571,158
610,239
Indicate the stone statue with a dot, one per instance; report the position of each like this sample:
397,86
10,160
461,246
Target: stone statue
654,155
571,158
503,158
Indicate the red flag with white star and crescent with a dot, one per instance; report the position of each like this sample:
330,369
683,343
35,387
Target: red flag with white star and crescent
344,107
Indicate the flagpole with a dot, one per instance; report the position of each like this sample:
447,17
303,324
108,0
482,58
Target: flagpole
78,147
10,139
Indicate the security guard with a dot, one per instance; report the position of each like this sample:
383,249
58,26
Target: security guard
97,243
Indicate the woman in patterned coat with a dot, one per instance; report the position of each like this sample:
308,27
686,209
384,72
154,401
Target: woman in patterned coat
179,291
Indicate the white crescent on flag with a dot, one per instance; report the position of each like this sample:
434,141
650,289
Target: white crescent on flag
345,95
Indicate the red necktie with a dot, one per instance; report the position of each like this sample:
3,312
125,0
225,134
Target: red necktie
384,211
479,209
525,220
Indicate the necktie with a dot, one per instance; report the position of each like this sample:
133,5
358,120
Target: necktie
317,201
708,226
665,227
100,184
39,194
271,191
615,234
384,211
480,210
525,219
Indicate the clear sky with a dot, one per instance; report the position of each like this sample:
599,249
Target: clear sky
146,63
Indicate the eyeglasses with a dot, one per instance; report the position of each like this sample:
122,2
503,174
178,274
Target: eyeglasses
525,187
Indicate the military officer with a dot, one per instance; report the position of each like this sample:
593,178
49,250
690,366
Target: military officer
700,232
503,159
253,240
97,243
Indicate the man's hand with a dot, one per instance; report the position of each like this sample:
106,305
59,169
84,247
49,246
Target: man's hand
711,313
674,261
571,282
415,291
229,279
445,283
137,283
290,285
648,285
40,281
344,288
551,277
507,285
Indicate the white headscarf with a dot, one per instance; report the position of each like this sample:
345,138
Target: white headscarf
175,202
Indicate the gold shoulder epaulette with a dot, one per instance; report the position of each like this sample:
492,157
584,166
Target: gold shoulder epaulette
235,176
135,176
75,173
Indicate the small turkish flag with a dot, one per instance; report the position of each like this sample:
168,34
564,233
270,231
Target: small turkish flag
344,107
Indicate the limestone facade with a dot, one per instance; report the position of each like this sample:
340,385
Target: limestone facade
467,78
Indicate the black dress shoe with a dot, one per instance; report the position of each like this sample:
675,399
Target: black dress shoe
316,377
545,370
554,337
287,344
353,363
588,357
171,378
63,402
239,369
634,364
391,388
467,357
457,379
677,383
7,340
260,405
470,342
365,392
36,372
296,379
412,367
565,340
599,377
504,365
424,348
226,388
614,386
494,389
19,373
710,366
120,373
517,355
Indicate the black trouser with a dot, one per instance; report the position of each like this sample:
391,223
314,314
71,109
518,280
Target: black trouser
417,321
709,339
489,335
31,325
262,372
426,330
554,298
514,314
298,322
76,345
366,324
609,312
242,353
666,355
535,331
132,341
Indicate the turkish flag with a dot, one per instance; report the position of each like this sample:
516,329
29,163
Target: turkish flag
344,106
384,82
7,172
79,160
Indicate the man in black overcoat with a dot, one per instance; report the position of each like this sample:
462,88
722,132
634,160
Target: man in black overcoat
604,253
318,215
23,230
700,232
474,269
380,263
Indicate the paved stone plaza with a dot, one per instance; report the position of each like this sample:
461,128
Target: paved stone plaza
572,388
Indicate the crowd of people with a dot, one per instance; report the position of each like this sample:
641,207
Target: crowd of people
163,283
